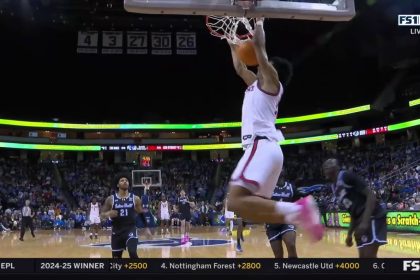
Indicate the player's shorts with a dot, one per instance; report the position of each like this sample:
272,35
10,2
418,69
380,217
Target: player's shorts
164,216
120,238
377,233
229,215
185,216
276,232
259,168
94,220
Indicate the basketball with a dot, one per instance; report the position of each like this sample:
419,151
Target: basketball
246,53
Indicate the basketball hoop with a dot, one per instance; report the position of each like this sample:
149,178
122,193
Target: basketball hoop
233,29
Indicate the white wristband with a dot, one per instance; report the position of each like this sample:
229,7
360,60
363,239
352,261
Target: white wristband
260,22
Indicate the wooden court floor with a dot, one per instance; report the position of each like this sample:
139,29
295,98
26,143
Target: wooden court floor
207,242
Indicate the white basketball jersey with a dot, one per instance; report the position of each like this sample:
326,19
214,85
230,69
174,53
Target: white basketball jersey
259,113
94,210
164,207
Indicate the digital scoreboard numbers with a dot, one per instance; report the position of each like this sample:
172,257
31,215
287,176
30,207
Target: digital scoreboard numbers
186,43
137,42
112,42
87,42
161,43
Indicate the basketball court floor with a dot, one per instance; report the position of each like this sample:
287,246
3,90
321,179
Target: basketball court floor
207,242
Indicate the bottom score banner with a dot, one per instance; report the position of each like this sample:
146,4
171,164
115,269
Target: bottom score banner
210,266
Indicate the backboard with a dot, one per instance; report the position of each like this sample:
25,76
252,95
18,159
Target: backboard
327,10
151,178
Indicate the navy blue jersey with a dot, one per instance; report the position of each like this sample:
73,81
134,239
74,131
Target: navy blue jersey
126,212
348,192
183,205
145,201
286,193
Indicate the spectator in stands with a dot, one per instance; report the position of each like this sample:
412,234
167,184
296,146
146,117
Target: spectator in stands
417,204
392,171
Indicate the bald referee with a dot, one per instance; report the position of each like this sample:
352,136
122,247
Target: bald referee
27,215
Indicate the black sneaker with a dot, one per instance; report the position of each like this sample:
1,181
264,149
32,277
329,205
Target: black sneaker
21,239
96,237
33,235
91,237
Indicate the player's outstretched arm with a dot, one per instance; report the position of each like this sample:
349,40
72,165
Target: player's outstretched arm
247,75
106,211
270,81
138,207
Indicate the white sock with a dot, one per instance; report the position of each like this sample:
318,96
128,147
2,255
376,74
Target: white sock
289,210
182,236
91,234
231,225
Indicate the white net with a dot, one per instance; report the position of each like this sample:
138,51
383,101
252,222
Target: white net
233,29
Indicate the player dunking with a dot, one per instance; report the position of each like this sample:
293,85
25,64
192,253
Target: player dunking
185,206
164,214
368,218
94,217
256,174
276,233
122,207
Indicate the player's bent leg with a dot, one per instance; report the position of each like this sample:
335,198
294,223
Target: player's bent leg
96,230
244,223
254,208
369,251
289,239
368,243
187,229
309,218
132,248
239,235
22,229
240,228
277,248
183,225
229,225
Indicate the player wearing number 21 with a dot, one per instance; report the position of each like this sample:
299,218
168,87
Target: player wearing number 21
123,207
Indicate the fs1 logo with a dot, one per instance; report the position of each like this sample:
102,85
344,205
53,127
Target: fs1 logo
411,265
408,20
